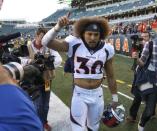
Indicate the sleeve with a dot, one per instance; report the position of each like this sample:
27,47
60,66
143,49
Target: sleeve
71,40
25,61
111,51
145,53
57,58
18,111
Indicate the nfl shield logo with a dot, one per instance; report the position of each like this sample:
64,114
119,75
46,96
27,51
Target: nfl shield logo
95,27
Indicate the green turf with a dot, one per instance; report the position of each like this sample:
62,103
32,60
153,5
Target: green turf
62,87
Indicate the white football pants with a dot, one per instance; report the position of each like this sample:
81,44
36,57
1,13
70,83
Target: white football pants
86,108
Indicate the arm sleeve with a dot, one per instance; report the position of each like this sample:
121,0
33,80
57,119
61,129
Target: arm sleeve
145,53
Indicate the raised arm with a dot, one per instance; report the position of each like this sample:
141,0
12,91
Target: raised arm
49,38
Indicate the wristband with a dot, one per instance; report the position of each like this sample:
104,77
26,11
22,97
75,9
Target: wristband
114,97
50,35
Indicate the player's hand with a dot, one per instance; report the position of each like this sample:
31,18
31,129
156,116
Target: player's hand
63,21
114,104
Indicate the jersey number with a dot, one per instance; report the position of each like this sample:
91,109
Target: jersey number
89,70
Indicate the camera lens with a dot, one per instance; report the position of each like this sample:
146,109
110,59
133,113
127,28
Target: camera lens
15,70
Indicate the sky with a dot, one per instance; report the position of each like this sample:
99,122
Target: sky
29,10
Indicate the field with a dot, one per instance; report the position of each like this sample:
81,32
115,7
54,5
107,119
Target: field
62,87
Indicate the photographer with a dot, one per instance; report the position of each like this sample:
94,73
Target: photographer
145,80
137,97
17,112
47,60
137,47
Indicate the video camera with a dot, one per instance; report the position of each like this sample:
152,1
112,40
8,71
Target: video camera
6,38
136,46
5,47
28,77
44,62
136,42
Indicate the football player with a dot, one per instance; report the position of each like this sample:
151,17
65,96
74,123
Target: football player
90,56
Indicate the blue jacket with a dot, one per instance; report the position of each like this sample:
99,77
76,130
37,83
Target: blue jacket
17,112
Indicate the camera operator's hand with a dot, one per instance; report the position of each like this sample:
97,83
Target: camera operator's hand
5,77
135,54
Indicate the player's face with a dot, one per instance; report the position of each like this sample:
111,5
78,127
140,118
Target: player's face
91,38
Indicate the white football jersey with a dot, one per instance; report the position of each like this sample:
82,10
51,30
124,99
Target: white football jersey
88,63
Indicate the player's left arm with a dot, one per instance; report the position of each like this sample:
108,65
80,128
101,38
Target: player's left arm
111,79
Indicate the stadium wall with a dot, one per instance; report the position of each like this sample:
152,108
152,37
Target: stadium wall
122,43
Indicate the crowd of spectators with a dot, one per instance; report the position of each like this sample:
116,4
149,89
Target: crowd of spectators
125,28
135,27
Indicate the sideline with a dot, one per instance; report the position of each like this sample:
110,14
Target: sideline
120,93
59,114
